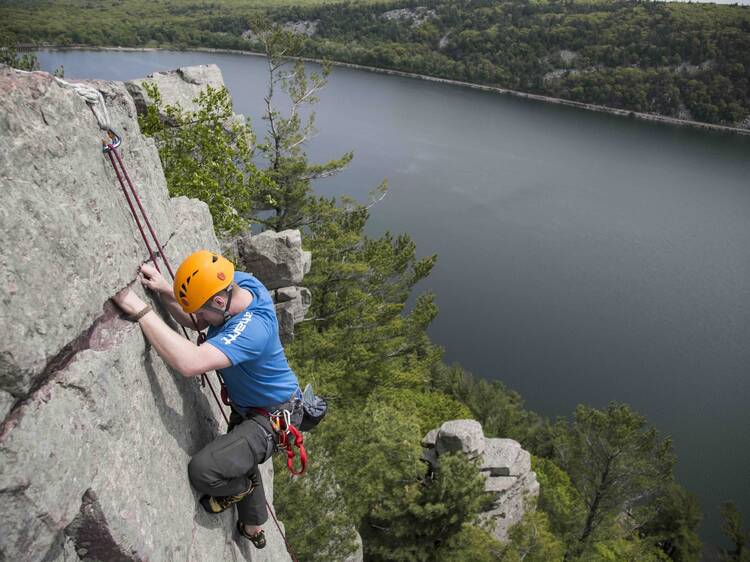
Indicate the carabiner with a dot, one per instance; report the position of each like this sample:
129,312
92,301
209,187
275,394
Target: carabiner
115,141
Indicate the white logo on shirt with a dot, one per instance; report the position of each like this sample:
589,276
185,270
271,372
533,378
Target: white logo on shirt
238,329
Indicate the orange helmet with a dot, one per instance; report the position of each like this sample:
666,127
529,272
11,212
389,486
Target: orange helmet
199,277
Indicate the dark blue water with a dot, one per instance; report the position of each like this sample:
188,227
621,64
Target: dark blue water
582,257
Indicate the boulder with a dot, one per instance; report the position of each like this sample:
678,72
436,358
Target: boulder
276,258
96,430
465,436
430,438
499,457
506,466
358,554
292,304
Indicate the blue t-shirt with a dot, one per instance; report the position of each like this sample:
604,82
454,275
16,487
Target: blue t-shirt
260,375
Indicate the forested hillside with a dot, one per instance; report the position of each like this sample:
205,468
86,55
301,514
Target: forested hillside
690,61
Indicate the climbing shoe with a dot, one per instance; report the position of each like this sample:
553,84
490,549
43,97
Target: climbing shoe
258,539
217,504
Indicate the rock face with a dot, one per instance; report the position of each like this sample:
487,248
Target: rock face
96,430
504,464
180,86
414,16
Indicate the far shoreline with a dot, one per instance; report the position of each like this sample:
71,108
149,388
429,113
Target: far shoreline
652,117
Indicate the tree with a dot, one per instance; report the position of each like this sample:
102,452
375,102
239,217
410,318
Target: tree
617,464
471,544
290,194
559,499
531,540
207,154
9,56
315,515
675,523
28,61
733,528
415,523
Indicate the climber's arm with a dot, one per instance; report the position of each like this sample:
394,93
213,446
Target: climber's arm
180,353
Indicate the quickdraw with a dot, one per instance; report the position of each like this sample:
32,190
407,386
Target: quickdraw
285,430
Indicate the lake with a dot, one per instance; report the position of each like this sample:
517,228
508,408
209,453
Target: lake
582,257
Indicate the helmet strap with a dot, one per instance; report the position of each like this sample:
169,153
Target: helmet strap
225,311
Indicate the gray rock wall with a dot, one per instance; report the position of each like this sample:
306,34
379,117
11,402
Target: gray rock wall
96,432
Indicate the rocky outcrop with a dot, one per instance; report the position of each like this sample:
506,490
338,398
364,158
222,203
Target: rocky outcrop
96,430
181,87
302,27
176,87
275,257
415,16
504,464
279,260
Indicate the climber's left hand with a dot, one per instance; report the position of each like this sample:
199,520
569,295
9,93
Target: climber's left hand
128,301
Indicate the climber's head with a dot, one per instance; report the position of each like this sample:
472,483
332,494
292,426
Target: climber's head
204,283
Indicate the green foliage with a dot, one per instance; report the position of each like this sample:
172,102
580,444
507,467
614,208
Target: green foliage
413,524
315,515
532,541
736,532
428,408
674,527
358,331
559,499
669,58
617,464
470,544
207,155
9,56
614,548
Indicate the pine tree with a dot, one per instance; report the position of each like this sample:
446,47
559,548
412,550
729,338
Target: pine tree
617,464
290,194
735,531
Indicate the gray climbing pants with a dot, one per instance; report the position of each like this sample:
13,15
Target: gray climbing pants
230,465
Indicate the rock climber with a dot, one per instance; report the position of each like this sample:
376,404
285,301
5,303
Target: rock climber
243,345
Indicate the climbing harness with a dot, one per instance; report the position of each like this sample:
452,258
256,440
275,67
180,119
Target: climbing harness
95,101
281,422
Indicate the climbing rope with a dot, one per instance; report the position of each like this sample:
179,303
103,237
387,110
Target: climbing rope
94,98
95,101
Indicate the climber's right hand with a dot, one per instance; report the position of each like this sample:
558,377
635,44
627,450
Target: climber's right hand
152,279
